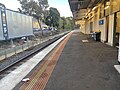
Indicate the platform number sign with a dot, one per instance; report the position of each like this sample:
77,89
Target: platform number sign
101,22
4,21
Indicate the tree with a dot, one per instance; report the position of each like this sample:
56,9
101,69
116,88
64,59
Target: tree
70,23
37,9
64,22
53,18
60,23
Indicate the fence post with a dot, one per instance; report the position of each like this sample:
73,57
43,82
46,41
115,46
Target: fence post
12,44
5,54
22,48
27,42
15,50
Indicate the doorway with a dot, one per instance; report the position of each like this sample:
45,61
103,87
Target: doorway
117,29
91,27
107,28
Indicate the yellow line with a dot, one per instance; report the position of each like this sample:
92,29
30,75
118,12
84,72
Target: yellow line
34,80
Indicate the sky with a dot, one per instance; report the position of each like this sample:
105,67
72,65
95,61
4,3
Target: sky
61,5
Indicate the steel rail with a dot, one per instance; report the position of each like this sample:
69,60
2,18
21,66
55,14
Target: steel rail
32,52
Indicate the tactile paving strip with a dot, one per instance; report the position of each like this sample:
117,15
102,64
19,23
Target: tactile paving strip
41,75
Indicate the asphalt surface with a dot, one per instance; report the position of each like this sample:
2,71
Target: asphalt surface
85,66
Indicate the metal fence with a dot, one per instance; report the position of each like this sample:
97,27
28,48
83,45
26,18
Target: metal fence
20,48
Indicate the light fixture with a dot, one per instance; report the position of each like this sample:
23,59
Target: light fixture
108,3
86,16
107,7
94,8
89,13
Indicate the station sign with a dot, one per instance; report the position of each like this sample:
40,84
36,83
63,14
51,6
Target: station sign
101,22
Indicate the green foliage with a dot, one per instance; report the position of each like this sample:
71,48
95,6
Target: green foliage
37,9
66,23
70,23
60,23
53,18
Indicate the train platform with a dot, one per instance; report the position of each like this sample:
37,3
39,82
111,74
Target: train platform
76,62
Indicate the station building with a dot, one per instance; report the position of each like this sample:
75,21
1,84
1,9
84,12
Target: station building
98,16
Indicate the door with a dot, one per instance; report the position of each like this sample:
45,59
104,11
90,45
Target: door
91,27
117,29
107,27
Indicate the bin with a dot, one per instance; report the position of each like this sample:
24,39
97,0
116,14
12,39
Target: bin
96,36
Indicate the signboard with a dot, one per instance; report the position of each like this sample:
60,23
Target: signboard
101,22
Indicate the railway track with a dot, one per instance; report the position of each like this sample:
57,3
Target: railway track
13,62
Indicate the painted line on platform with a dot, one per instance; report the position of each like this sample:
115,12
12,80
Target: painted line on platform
117,67
12,79
37,80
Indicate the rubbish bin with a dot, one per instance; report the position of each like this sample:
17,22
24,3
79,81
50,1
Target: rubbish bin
96,36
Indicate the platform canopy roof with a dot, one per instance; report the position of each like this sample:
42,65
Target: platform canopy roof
82,6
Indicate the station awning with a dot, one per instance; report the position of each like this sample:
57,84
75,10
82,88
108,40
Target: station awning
81,7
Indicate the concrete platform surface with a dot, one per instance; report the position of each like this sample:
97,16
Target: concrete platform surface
16,76
85,66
